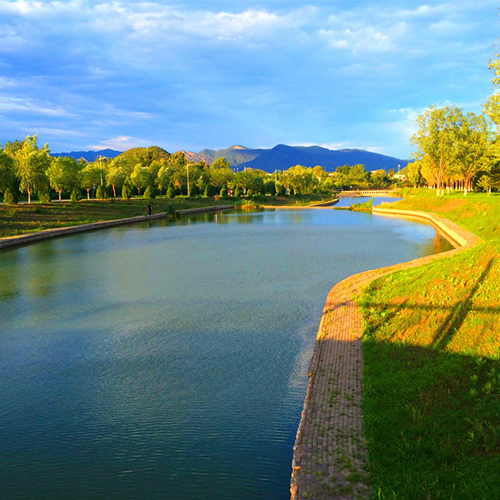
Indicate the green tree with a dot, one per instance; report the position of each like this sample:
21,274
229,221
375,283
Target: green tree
178,163
471,144
63,173
220,173
31,166
434,142
164,177
7,172
140,177
90,177
116,173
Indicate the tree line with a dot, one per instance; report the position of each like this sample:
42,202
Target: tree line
27,168
457,149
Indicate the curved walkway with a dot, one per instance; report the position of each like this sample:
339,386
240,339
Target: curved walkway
329,451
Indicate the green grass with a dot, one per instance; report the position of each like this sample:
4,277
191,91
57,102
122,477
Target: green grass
28,218
432,365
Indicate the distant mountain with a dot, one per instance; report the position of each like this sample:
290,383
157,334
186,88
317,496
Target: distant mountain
234,155
90,155
280,157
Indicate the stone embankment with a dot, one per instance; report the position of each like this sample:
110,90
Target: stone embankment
330,455
25,239
373,192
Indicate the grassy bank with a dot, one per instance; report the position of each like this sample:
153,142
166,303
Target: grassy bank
24,218
432,365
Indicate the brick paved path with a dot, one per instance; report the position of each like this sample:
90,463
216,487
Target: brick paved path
330,452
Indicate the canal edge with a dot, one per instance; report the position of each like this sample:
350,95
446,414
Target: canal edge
26,239
334,389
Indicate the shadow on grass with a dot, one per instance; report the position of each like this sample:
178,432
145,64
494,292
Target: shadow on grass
432,422
432,417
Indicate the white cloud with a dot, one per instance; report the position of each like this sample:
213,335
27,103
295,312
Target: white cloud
121,143
35,106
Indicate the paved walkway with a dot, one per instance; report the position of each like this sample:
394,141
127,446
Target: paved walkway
330,452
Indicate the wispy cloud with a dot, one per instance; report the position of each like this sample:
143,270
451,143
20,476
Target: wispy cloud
31,106
204,73
121,143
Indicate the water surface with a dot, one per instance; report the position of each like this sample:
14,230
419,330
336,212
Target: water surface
168,360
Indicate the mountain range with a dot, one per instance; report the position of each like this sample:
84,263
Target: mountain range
281,157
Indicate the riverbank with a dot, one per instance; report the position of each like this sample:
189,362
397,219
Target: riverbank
25,239
431,351
28,218
330,456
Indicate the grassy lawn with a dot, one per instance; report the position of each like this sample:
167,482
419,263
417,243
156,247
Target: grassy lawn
432,365
24,218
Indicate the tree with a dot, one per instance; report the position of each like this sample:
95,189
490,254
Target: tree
415,173
116,173
140,177
31,165
90,176
178,163
434,142
63,173
164,177
7,172
470,137
492,106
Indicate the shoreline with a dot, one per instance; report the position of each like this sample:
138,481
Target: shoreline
26,239
329,445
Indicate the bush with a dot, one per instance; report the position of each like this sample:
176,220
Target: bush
126,192
170,192
259,197
238,191
210,190
11,197
249,192
101,193
223,192
149,193
170,209
75,195
44,197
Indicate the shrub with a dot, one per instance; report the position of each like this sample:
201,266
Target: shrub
210,190
44,197
10,197
149,193
101,193
126,192
170,191
75,195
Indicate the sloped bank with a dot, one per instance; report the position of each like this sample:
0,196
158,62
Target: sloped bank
25,239
329,451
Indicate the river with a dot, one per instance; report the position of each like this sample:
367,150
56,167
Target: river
168,360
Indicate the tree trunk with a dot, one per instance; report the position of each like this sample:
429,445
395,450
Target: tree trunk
60,191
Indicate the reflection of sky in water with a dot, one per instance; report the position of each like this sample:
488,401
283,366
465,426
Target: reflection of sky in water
172,356
347,201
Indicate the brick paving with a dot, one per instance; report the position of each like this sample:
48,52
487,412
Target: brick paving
330,453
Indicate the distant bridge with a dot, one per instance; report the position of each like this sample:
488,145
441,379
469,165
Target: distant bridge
375,192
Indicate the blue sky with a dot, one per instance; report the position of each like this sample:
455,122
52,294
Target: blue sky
212,74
